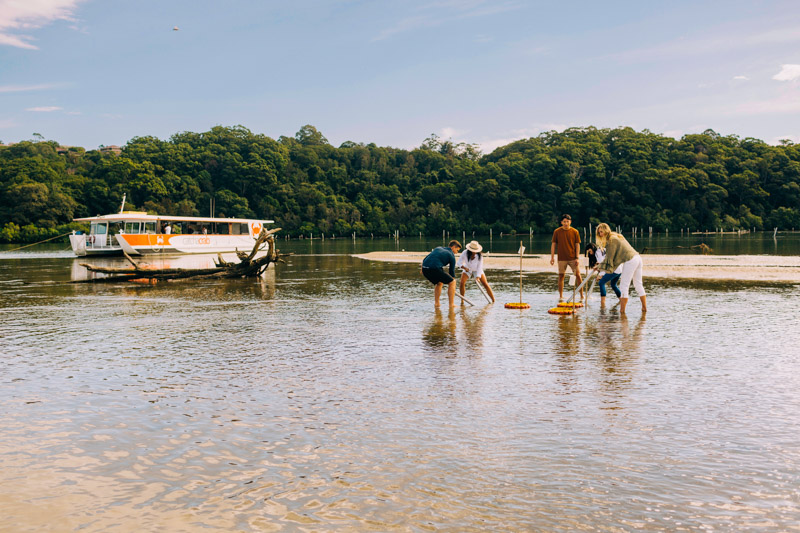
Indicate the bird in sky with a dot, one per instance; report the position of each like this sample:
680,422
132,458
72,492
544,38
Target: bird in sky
175,28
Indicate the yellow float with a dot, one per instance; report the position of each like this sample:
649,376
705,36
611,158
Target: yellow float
570,304
517,305
561,310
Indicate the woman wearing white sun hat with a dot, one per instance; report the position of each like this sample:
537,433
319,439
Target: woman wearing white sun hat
471,263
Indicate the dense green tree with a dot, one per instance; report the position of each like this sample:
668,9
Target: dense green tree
620,176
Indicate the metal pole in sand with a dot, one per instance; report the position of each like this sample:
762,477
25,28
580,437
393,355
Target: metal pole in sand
521,251
520,304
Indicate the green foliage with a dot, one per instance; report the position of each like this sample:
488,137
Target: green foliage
619,176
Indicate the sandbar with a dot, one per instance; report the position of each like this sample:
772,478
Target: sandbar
767,268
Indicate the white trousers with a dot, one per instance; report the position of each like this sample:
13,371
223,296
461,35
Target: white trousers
631,271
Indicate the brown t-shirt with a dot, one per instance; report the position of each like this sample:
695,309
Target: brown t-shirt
566,243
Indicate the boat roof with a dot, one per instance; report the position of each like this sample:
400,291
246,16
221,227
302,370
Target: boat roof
142,216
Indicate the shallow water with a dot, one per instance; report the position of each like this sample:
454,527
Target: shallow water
332,396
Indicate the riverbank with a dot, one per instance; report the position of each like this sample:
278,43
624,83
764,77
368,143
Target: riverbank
768,268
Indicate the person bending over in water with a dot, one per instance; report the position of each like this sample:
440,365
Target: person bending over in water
432,266
620,252
471,263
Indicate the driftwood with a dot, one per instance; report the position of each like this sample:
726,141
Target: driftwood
247,266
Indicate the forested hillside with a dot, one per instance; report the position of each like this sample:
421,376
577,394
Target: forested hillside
619,176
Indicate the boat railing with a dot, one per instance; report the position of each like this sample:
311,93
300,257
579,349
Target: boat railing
100,242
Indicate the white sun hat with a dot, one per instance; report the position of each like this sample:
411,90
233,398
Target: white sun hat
474,247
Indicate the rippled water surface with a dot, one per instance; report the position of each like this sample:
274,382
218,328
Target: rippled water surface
332,396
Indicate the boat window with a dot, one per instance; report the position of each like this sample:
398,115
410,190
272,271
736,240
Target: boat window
98,228
115,228
150,227
222,228
132,227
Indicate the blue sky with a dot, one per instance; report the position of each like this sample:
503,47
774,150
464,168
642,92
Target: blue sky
92,72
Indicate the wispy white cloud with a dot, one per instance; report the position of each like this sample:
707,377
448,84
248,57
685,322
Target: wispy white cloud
741,78
7,123
44,109
777,140
25,15
715,43
788,73
788,102
27,88
537,50
487,146
452,133
444,11
675,134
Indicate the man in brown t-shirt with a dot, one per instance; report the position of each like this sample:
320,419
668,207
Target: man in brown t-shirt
568,241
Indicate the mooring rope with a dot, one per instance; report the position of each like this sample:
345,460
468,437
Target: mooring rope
34,244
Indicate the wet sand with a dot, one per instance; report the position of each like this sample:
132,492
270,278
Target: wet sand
769,268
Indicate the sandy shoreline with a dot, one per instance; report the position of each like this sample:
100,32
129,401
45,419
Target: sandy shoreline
769,268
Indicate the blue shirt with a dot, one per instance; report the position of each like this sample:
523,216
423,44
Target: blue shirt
439,258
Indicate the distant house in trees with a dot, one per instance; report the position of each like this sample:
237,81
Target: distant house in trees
111,148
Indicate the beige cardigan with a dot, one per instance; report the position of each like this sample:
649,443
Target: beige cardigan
618,251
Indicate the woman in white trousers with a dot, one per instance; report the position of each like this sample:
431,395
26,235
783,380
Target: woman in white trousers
620,252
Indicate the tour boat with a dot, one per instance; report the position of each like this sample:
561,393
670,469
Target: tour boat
137,233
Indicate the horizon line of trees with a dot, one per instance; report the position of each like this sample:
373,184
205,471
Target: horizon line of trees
620,176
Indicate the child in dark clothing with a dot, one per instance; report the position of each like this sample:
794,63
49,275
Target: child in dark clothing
596,255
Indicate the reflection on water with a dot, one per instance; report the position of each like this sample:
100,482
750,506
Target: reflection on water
441,332
331,395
